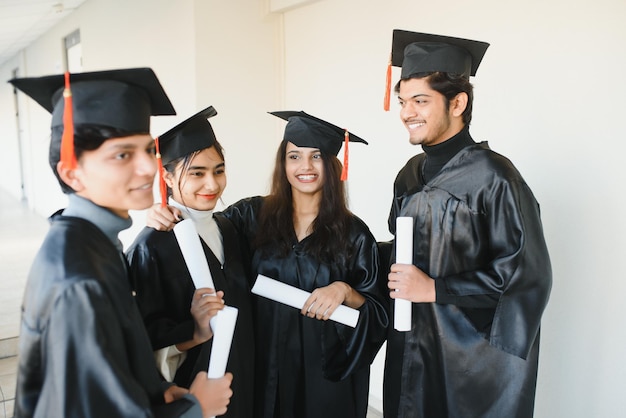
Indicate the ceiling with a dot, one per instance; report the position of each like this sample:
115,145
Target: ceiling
23,21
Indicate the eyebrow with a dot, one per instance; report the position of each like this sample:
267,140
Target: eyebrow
130,145
415,95
297,151
202,167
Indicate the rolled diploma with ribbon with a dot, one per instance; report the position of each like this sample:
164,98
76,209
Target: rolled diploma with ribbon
222,324
292,296
404,255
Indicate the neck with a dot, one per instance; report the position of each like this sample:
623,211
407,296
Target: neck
305,210
439,155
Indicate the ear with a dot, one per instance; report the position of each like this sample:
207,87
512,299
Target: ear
70,176
169,179
458,104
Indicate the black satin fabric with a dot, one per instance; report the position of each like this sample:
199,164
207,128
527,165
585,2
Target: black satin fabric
478,233
308,368
83,348
164,290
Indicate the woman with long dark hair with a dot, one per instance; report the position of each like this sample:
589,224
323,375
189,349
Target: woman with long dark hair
304,235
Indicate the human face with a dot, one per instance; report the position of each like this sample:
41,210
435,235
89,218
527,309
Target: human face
304,168
119,174
202,183
424,114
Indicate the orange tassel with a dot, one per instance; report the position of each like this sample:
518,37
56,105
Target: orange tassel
388,88
162,185
344,171
68,157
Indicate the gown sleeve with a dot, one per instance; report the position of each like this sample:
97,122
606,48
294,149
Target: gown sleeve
347,349
97,379
154,295
519,273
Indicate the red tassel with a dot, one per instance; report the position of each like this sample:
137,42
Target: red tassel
344,171
68,157
162,185
388,88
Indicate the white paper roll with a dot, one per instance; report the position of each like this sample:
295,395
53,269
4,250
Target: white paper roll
404,255
223,326
191,247
292,296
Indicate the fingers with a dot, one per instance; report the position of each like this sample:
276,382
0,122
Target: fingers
213,394
163,218
321,304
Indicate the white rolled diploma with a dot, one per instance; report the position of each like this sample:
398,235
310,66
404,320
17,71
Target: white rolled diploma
404,255
223,326
195,259
292,296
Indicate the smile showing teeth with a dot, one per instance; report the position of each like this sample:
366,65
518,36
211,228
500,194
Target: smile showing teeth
306,177
415,125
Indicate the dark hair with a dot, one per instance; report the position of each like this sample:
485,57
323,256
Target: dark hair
186,161
86,138
328,242
449,85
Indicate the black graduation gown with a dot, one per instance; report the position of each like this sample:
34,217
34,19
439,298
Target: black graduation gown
477,232
164,290
83,348
308,368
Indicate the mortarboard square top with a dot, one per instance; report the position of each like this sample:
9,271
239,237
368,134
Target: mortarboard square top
304,130
123,99
419,52
193,134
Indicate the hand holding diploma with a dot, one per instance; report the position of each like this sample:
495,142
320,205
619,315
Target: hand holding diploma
294,297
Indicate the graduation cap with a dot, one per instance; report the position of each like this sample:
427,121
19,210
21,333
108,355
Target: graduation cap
304,130
123,99
419,52
193,134
189,136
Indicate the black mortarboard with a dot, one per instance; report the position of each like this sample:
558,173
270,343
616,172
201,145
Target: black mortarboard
304,130
419,52
123,99
422,52
191,135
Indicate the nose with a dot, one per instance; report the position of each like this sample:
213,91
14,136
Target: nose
407,111
210,183
146,164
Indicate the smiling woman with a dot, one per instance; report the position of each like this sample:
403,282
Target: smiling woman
175,313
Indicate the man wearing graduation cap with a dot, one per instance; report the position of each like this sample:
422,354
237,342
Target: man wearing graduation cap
481,274
83,349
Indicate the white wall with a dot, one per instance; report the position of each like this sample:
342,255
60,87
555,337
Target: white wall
548,96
